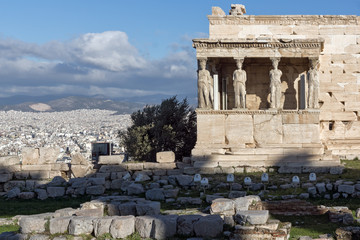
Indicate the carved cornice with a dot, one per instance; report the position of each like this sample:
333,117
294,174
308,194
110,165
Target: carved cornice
285,20
254,112
209,44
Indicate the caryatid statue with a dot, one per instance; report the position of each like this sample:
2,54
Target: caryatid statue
275,84
313,84
204,86
239,80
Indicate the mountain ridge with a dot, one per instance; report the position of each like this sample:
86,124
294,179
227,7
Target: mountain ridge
73,103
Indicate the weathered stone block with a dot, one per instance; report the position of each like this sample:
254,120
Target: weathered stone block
184,180
32,224
12,184
60,167
22,175
349,189
78,182
13,193
38,167
112,168
312,190
81,225
243,203
321,187
64,212
123,226
111,160
48,154
59,225
144,226
95,190
210,129
164,226
135,166
209,226
30,156
41,194
5,177
78,159
171,193
39,174
128,208
113,209
268,129
242,129
135,189
55,191
253,217
9,161
96,181
185,224
222,206
165,157
79,170
26,195
148,208
96,212
155,194
102,225
301,133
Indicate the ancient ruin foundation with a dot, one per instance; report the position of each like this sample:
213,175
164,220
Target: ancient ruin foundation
278,90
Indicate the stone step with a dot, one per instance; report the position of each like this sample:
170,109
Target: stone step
253,217
266,157
233,161
274,150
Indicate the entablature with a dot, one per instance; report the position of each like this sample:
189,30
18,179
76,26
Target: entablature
257,112
284,20
258,47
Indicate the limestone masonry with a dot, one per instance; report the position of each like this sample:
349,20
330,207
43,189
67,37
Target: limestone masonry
278,90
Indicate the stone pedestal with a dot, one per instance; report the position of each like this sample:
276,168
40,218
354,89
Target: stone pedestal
230,138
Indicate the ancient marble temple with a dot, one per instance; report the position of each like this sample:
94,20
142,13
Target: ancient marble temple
278,90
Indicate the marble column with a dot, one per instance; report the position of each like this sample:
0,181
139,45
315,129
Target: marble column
275,84
239,81
313,84
205,86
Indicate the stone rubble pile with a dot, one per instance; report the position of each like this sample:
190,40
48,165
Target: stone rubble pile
249,224
126,215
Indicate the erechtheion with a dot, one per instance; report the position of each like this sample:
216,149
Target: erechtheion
278,90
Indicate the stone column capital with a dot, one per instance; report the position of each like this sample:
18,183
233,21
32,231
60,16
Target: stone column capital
239,59
275,59
202,58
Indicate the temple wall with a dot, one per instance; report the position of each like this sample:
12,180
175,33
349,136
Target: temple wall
339,67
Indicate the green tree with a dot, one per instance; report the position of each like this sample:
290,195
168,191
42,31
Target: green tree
170,126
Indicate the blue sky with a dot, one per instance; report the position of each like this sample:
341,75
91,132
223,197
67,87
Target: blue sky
122,47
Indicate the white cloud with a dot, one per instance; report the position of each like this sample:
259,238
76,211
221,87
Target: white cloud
94,63
109,50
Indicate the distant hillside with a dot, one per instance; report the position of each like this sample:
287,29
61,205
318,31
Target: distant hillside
73,103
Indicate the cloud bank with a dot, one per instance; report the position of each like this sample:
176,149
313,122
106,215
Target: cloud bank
94,63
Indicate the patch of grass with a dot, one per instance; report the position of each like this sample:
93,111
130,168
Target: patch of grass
105,236
311,226
13,207
86,236
352,169
9,228
135,236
